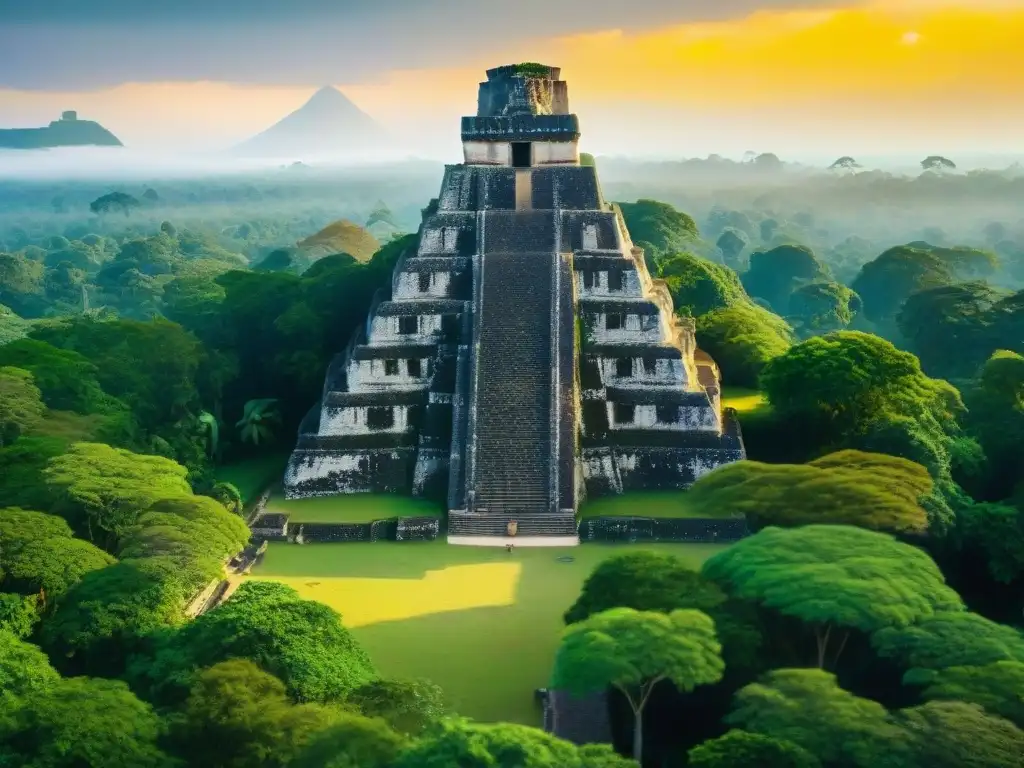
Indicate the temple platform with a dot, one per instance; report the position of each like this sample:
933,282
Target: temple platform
515,541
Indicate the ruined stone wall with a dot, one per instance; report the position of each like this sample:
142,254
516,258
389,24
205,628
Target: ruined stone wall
615,469
363,374
408,285
354,420
683,530
387,328
326,473
666,372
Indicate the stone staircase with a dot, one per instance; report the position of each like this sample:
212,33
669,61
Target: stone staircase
484,524
513,398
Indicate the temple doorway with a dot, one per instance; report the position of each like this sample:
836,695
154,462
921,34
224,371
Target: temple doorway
521,154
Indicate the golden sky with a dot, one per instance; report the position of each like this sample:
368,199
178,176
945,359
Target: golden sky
873,73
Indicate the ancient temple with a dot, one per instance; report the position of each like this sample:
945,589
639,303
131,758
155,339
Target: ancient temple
523,357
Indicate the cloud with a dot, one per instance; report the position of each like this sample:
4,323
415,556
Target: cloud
76,45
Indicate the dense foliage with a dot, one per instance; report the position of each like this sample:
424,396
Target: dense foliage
150,333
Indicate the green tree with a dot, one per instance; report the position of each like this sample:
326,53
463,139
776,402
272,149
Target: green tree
150,255
22,467
742,339
856,390
635,650
659,224
699,286
301,642
107,488
408,706
731,243
22,285
114,201
806,707
949,327
82,723
351,741
775,274
50,567
107,615
66,380
740,749
149,365
869,490
954,734
479,745
824,306
886,282
937,163
996,416
21,404
24,671
845,163
19,614
644,581
259,418
22,526
996,687
834,579
996,533
238,715
945,640
196,531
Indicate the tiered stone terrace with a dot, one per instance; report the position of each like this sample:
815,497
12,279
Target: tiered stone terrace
523,357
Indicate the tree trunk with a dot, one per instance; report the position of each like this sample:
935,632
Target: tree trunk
638,739
822,644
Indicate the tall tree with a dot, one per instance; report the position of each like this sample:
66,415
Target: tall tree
886,282
776,273
633,651
82,723
238,715
24,671
105,489
948,639
869,490
949,327
742,339
740,749
834,579
301,642
996,687
808,708
644,581
954,734
109,613
822,306
50,567
408,706
21,404
486,745
996,416
937,163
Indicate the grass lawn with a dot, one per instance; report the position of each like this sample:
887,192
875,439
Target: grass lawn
253,476
743,399
641,504
480,622
353,508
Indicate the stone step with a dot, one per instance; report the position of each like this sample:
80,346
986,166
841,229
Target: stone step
497,525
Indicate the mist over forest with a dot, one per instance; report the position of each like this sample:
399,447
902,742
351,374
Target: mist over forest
165,330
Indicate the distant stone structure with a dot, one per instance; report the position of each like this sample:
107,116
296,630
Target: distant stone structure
69,131
523,357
